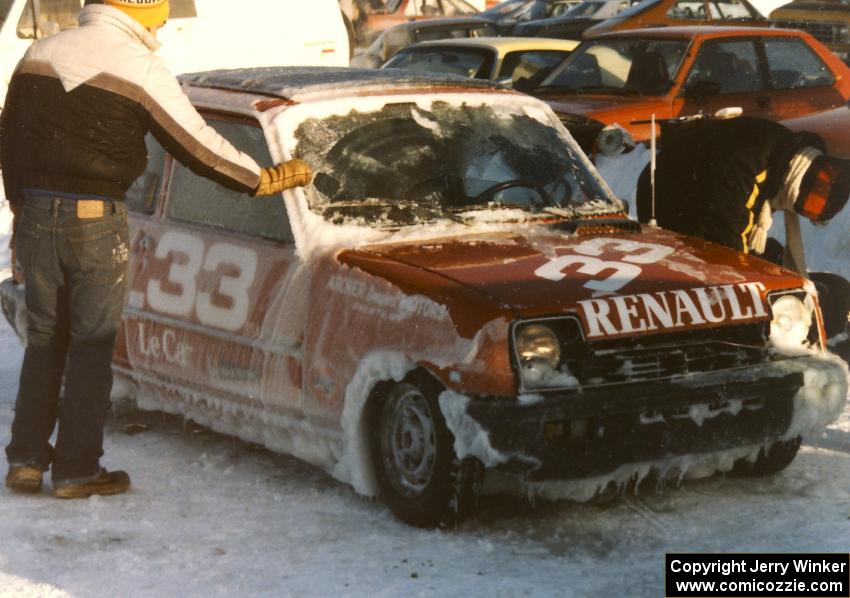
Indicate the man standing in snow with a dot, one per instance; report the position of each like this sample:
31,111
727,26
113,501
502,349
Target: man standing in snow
71,142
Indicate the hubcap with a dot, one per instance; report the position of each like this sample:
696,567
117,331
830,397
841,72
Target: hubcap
408,441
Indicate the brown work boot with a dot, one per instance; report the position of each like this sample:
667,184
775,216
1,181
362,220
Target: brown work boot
103,483
23,478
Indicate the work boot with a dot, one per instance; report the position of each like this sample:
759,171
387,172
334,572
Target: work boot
24,478
103,483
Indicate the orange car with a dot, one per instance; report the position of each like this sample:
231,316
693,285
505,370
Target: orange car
623,77
456,304
681,13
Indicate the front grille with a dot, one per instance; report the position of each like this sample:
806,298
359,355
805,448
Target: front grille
662,356
648,363
829,33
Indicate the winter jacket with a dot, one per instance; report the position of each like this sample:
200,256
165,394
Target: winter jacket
713,176
81,102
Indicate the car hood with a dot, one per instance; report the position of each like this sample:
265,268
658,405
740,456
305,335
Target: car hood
600,107
554,272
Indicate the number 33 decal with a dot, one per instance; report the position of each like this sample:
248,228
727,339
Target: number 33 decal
621,272
179,294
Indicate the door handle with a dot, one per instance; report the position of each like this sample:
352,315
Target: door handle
763,101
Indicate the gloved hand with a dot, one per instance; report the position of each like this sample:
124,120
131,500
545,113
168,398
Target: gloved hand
289,174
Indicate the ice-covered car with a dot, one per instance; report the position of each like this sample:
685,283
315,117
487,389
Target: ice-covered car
456,305
503,59
625,77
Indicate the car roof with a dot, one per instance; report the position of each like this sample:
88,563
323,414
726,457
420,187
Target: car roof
445,22
701,31
298,83
504,44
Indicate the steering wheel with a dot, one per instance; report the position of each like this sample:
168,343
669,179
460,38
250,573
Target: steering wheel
489,192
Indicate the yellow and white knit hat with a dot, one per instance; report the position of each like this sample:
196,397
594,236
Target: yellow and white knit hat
150,13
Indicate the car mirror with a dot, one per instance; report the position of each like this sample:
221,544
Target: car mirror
701,89
523,84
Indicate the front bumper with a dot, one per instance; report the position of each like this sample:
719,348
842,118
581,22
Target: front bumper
594,431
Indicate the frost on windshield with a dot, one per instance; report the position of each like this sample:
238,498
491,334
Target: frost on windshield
403,165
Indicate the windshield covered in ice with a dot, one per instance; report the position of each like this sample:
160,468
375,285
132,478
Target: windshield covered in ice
407,163
620,66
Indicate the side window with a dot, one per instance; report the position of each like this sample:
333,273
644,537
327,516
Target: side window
729,10
687,9
793,65
195,199
732,66
50,16
143,193
528,64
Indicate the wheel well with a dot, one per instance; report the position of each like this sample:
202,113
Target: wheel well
420,377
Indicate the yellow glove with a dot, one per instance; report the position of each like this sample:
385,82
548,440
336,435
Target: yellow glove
289,174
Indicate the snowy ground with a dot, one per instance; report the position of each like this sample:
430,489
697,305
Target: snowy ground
211,516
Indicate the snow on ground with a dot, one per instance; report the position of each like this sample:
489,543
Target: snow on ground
211,516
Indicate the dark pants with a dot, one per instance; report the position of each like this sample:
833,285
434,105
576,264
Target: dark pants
75,272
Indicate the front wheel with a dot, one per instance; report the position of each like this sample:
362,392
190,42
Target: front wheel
774,459
413,452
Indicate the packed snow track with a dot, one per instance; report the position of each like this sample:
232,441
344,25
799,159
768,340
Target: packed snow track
211,516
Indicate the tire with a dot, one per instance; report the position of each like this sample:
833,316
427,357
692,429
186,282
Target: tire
777,457
420,479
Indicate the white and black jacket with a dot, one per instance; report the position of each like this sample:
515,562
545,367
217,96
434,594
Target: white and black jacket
79,106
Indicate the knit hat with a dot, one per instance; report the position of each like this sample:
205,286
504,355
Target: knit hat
150,13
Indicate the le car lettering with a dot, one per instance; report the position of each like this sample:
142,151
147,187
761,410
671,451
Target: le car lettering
224,307
617,273
164,346
673,309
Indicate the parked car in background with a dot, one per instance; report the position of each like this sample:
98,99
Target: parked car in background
628,76
573,23
509,13
388,43
502,59
369,18
259,33
682,13
455,305
828,21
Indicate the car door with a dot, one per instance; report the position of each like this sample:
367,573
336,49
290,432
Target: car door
726,72
800,82
204,325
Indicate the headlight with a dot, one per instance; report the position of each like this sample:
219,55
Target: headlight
539,352
613,140
792,320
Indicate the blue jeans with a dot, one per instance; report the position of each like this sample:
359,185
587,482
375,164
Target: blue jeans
75,272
